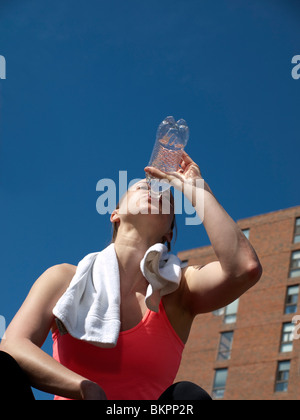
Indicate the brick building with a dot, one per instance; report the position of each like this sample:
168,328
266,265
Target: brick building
247,350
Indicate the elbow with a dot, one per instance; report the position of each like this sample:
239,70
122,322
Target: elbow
249,273
253,272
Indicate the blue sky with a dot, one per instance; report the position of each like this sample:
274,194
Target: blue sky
89,82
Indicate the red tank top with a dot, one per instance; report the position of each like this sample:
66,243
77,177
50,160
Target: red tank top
142,366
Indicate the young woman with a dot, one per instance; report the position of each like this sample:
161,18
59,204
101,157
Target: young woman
148,355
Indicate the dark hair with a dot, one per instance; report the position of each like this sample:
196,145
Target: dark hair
173,226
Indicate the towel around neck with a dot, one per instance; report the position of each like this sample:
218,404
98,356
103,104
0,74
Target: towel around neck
89,310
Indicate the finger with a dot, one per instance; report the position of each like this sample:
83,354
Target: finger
156,173
187,159
174,178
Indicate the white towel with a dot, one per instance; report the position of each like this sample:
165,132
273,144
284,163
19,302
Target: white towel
89,310
163,272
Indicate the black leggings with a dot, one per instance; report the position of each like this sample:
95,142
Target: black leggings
185,391
15,386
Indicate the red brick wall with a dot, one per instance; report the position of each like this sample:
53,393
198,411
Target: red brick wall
257,332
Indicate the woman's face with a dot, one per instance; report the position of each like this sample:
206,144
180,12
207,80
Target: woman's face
156,212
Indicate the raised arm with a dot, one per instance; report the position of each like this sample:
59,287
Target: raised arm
28,331
237,267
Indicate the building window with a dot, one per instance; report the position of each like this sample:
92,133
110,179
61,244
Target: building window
297,231
246,232
231,312
219,312
295,264
225,346
220,383
287,337
291,300
282,376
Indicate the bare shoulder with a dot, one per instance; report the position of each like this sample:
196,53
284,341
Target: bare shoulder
33,319
188,271
55,280
64,271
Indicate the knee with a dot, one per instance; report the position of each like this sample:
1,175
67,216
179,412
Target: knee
13,382
7,360
185,391
9,367
192,391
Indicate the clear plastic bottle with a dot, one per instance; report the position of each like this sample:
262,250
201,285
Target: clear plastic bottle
171,139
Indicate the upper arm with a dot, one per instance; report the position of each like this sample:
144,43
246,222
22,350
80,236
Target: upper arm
34,318
209,288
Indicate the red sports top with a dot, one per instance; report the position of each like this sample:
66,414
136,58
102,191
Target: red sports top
142,366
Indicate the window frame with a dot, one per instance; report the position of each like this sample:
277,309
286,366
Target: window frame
222,388
295,264
287,337
231,317
292,304
296,238
282,381
227,351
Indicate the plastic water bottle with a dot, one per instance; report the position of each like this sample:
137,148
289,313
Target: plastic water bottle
171,139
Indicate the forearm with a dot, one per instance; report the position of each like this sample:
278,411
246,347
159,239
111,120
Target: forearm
44,373
232,248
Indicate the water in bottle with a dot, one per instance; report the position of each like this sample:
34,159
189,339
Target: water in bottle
171,139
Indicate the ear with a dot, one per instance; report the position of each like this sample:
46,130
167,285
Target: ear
114,217
168,237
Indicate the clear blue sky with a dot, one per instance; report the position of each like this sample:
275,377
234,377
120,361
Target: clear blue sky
89,82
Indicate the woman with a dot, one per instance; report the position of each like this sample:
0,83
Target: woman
201,290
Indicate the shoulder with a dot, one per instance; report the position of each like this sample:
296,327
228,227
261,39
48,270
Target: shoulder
190,270
55,280
196,282
62,270
180,298
35,315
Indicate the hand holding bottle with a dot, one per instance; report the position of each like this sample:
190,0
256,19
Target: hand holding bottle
188,172
171,138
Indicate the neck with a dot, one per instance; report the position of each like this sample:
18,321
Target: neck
130,249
